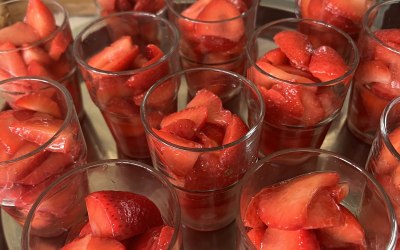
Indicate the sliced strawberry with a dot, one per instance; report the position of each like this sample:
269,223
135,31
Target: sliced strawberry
177,160
386,162
251,218
184,128
105,90
388,35
373,71
37,54
155,238
340,191
296,195
385,91
275,57
235,130
214,132
36,69
106,219
313,109
296,47
256,236
289,239
18,34
124,5
59,44
220,10
90,242
163,95
78,243
326,64
85,230
39,102
187,26
8,139
353,10
152,7
116,57
197,114
349,234
39,16
389,57
12,61
109,5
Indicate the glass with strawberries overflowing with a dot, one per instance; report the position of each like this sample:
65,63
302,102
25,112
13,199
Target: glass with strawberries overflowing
40,139
213,33
303,69
122,204
313,199
343,14
120,56
107,7
377,79
36,40
203,138
384,157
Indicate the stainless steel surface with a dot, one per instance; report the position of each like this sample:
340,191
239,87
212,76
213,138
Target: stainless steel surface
102,146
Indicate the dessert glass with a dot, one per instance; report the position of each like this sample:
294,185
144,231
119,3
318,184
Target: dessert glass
117,175
208,201
112,91
377,78
326,97
366,198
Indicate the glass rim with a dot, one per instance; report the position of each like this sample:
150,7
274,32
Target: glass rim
383,127
259,164
82,62
104,163
258,124
66,120
352,66
170,7
53,34
367,28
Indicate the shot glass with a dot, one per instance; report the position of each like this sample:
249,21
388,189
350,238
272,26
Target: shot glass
346,16
213,33
40,139
106,7
106,175
364,198
205,166
377,77
303,69
384,157
120,56
36,40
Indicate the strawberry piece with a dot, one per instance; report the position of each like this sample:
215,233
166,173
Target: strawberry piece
90,242
388,56
78,243
147,6
40,128
107,5
12,61
8,139
39,16
104,90
35,53
220,10
353,10
295,194
197,114
214,133
275,57
256,236
162,96
116,57
178,161
340,191
313,109
39,102
349,234
85,230
296,47
121,215
387,162
373,71
187,26
388,35
124,5
36,69
235,130
155,238
289,239
385,91
59,44
326,64
184,128
18,34
251,218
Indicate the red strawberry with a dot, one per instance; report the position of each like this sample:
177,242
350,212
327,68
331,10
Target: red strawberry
326,64
178,161
385,91
288,240
184,128
8,139
78,243
349,234
256,236
104,90
340,191
220,10
251,218
387,162
214,132
389,57
85,230
121,215
157,238
116,57
90,242
388,35
12,61
291,199
39,16
353,10
37,54
18,34
235,130
187,26
275,57
39,102
197,114
163,95
313,109
59,44
296,47
109,5
36,69
147,6
373,71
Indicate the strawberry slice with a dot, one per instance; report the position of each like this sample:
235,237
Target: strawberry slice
116,57
275,57
155,238
235,130
389,57
184,128
8,139
296,195
187,26
289,239
387,162
107,219
85,230
78,243
39,102
388,35
353,10
373,71
220,10
349,234
39,16
59,44
12,61
251,218
36,69
90,242
197,114
313,109
147,6
326,64
108,5
178,161
296,47
35,53
214,133
18,34
256,236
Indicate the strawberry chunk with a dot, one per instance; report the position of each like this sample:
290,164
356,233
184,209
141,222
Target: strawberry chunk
18,34
39,16
35,53
184,128
197,114
373,71
353,10
12,61
275,57
326,64
121,215
296,47
388,35
39,102
256,236
90,242
10,142
289,239
59,44
155,238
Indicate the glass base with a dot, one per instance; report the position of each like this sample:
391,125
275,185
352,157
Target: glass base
12,231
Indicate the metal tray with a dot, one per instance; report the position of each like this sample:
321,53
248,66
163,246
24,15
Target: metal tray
102,146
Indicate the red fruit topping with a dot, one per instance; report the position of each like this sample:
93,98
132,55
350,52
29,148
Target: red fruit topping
18,34
373,71
90,242
275,57
86,229
184,128
296,47
59,44
37,54
235,130
256,236
157,238
326,64
197,114
40,102
121,215
353,10
39,16
12,61
388,35
289,239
